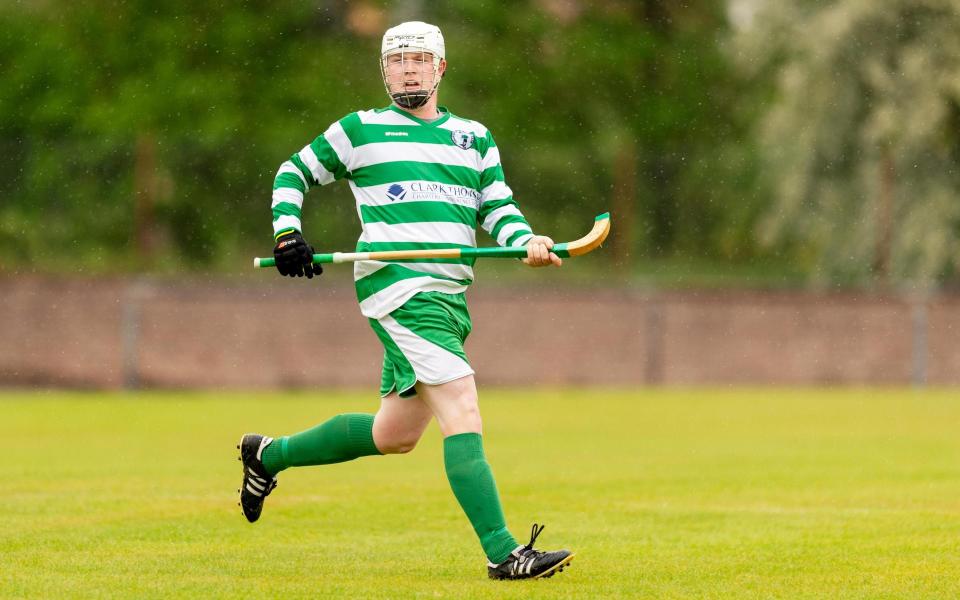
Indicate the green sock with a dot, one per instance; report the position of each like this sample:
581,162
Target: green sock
342,438
473,485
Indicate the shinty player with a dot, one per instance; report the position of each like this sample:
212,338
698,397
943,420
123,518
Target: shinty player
422,178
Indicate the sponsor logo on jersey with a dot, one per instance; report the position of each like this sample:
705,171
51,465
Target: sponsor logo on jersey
433,191
463,139
396,192
429,190
396,133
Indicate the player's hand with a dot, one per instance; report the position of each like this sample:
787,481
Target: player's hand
538,252
294,256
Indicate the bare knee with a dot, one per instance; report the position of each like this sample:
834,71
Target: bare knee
455,405
397,436
397,445
468,419
399,424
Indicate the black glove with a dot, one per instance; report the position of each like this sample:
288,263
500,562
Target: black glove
294,256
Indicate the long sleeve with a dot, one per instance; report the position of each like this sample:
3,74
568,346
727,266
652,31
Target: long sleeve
500,215
322,161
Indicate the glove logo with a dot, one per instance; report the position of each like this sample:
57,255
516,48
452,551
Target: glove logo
463,139
396,192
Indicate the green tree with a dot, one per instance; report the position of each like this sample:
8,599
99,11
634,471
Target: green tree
140,134
599,96
862,138
177,113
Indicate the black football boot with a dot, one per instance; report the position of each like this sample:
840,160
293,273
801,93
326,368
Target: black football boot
257,483
527,563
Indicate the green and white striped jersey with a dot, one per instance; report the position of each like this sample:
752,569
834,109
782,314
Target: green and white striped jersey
418,185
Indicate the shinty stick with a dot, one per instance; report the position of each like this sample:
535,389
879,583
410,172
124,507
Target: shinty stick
601,228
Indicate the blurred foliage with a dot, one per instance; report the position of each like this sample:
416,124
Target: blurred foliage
186,109
862,139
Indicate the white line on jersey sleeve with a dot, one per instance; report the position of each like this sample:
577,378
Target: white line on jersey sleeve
290,195
338,140
289,167
286,222
492,159
320,174
490,222
510,229
497,190
522,240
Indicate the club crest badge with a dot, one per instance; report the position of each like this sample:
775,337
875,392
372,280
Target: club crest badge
463,139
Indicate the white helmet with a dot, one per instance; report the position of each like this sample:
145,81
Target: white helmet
412,37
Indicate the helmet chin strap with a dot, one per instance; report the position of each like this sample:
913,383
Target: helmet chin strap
412,100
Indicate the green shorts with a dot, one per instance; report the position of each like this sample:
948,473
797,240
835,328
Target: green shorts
423,341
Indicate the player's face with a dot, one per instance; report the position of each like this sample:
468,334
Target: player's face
409,71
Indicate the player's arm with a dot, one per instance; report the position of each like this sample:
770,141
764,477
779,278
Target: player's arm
500,215
318,163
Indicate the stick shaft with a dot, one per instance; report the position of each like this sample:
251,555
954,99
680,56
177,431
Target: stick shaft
343,257
585,244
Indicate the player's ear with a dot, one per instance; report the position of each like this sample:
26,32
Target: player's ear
442,68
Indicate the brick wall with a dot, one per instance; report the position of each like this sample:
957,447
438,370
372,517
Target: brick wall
108,333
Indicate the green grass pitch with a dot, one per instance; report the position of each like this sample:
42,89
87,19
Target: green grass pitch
662,493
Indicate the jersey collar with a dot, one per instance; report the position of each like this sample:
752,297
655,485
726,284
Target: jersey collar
444,116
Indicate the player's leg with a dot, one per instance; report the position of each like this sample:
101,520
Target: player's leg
341,438
399,424
344,437
456,408
395,428
455,405
423,341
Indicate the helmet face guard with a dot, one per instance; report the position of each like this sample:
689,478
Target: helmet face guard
410,58
411,76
